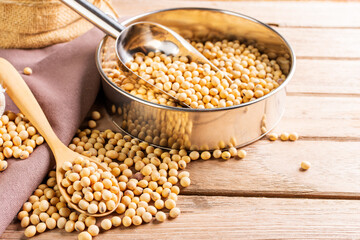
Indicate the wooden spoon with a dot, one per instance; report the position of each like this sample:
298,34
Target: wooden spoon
22,96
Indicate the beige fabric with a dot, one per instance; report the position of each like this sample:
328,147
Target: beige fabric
40,23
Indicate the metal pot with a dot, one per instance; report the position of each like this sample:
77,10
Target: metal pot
202,129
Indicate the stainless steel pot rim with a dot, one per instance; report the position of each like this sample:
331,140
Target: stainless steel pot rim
155,105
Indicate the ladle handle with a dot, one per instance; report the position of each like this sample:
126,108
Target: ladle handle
22,96
97,17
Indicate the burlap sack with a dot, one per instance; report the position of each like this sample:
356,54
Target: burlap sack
40,23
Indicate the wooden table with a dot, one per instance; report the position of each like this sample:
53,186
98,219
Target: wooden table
266,195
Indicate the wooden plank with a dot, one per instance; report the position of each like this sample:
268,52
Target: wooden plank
322,118
272,169
323,43
325,76
282,13
205,217
314,107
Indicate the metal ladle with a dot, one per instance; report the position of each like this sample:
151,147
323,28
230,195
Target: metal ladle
140,37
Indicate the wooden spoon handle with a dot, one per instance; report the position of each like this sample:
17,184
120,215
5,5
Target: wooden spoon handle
22,96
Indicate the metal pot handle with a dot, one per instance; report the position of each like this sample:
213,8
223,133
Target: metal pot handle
97,17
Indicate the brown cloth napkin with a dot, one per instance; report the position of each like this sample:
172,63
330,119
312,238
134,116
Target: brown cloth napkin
65,81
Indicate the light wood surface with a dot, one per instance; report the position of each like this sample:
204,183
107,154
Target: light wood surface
316,77
266,196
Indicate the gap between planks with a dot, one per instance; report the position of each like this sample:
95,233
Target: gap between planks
272,194
316,138
312,27
328,139
328,58
321,94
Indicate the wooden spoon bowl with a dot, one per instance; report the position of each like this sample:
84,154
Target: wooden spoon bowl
22,96
67,154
